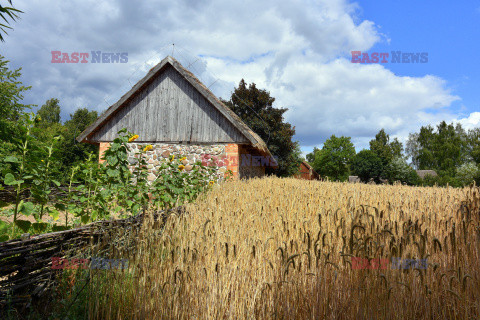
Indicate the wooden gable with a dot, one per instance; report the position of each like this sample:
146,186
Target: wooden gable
170,109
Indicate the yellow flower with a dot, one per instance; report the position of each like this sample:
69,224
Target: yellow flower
181,167
173,157
211,183
184,158
148,148
133,138
42,160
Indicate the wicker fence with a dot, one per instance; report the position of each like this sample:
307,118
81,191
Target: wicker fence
26,272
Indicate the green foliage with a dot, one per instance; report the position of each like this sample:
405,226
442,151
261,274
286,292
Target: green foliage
174,185
443,179
7,12
255,107
50,111
20,175
473,145
42,180
333,160
442,149
96,191
467,173
367,165
11,94
384,148
72,153
311,156
398,170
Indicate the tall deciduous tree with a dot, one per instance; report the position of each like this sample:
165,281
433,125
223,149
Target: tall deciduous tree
442,149
72,151
333,160
48,123
367,165
11,112
384,148
255,107
473,144
50,111
11,95
311,156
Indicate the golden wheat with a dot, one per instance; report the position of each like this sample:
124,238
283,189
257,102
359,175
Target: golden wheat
282,248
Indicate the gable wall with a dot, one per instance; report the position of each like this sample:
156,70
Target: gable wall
170,109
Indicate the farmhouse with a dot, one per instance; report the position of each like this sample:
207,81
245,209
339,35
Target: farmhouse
174,112
423,173
306,172
354,179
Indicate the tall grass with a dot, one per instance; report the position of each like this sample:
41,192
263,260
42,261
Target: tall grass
282,248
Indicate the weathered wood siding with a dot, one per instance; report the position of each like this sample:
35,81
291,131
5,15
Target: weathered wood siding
170,109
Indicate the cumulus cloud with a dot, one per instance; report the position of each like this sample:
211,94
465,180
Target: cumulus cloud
296,50
470,122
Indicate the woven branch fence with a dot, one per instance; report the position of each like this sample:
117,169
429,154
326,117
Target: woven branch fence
26,272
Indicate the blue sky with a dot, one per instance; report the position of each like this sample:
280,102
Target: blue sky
300,51
448,30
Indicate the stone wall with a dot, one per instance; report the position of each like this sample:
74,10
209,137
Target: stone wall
162,151
226,157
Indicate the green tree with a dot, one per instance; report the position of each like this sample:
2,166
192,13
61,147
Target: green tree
72,152
255,107
473,144
311,156
442,149
398,170
367,165
50,111
11,95
48,124
12,131
7,12
384,148
334,158
467,173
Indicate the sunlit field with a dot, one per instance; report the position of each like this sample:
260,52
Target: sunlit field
289,249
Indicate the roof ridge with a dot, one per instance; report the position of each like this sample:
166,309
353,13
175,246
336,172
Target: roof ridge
253,137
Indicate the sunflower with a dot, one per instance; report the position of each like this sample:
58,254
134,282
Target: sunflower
181,167
133,138
148,148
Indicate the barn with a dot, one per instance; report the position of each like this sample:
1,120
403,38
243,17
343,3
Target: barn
174,112
423,173
307,172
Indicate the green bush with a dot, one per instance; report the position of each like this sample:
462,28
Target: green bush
95,191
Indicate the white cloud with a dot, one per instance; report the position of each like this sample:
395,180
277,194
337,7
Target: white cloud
293,49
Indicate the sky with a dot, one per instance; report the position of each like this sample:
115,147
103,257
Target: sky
299,51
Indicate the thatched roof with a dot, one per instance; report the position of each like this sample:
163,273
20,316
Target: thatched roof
254,139
354,179
423,173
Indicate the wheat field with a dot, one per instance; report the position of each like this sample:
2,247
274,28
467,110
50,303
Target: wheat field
276,248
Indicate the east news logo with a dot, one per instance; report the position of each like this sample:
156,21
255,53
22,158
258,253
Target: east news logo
95,57
382,57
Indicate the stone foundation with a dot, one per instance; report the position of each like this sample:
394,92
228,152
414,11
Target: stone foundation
240,161
206,154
